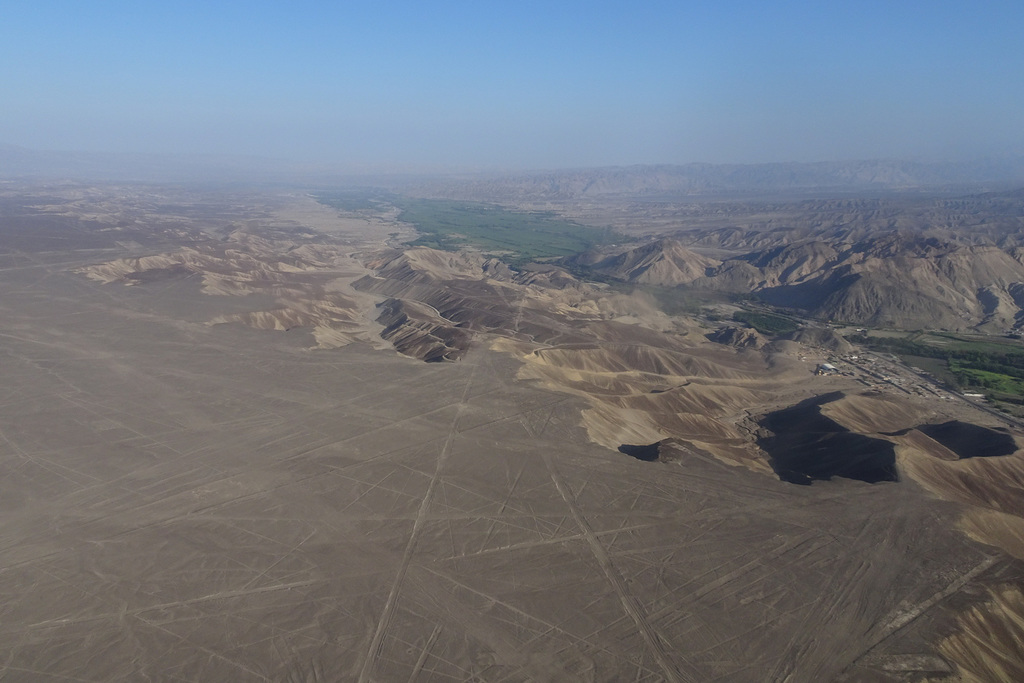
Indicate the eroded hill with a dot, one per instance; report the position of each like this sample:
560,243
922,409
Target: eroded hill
899,280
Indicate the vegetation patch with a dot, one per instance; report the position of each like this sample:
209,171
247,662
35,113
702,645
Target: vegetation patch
516,236
995,382
766,323
969,343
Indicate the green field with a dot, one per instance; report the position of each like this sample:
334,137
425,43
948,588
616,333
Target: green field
968,343
995,382
766,323
515,236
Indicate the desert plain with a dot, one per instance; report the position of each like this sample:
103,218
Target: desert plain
215,465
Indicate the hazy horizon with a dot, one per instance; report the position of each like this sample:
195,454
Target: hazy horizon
528,86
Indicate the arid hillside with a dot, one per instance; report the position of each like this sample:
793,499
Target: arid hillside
900,280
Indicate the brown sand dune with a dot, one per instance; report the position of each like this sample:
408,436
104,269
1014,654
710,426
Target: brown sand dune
640,395
737,337
310,282
875,412
984,484
119,270
989,646
989,487
636,358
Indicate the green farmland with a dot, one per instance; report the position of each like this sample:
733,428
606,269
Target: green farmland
515,236
766,323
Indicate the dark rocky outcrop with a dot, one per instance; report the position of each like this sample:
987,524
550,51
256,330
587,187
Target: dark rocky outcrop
970,441
415,330
737,337
804,445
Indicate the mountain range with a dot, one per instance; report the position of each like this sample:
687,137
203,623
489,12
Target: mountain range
896,279
640,181
697,179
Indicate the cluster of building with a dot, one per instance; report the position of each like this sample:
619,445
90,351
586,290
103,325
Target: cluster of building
881,374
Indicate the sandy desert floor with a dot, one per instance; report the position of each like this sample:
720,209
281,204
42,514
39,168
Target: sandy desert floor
184,501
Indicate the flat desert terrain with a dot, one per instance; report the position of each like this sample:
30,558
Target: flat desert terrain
217,472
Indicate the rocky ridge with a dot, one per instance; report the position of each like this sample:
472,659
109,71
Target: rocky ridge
901,279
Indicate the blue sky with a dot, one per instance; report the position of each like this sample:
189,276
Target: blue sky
494,84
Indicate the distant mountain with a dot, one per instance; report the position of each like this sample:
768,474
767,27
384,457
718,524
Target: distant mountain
23,163
896,279
20,162
639,182
910,282
661,181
